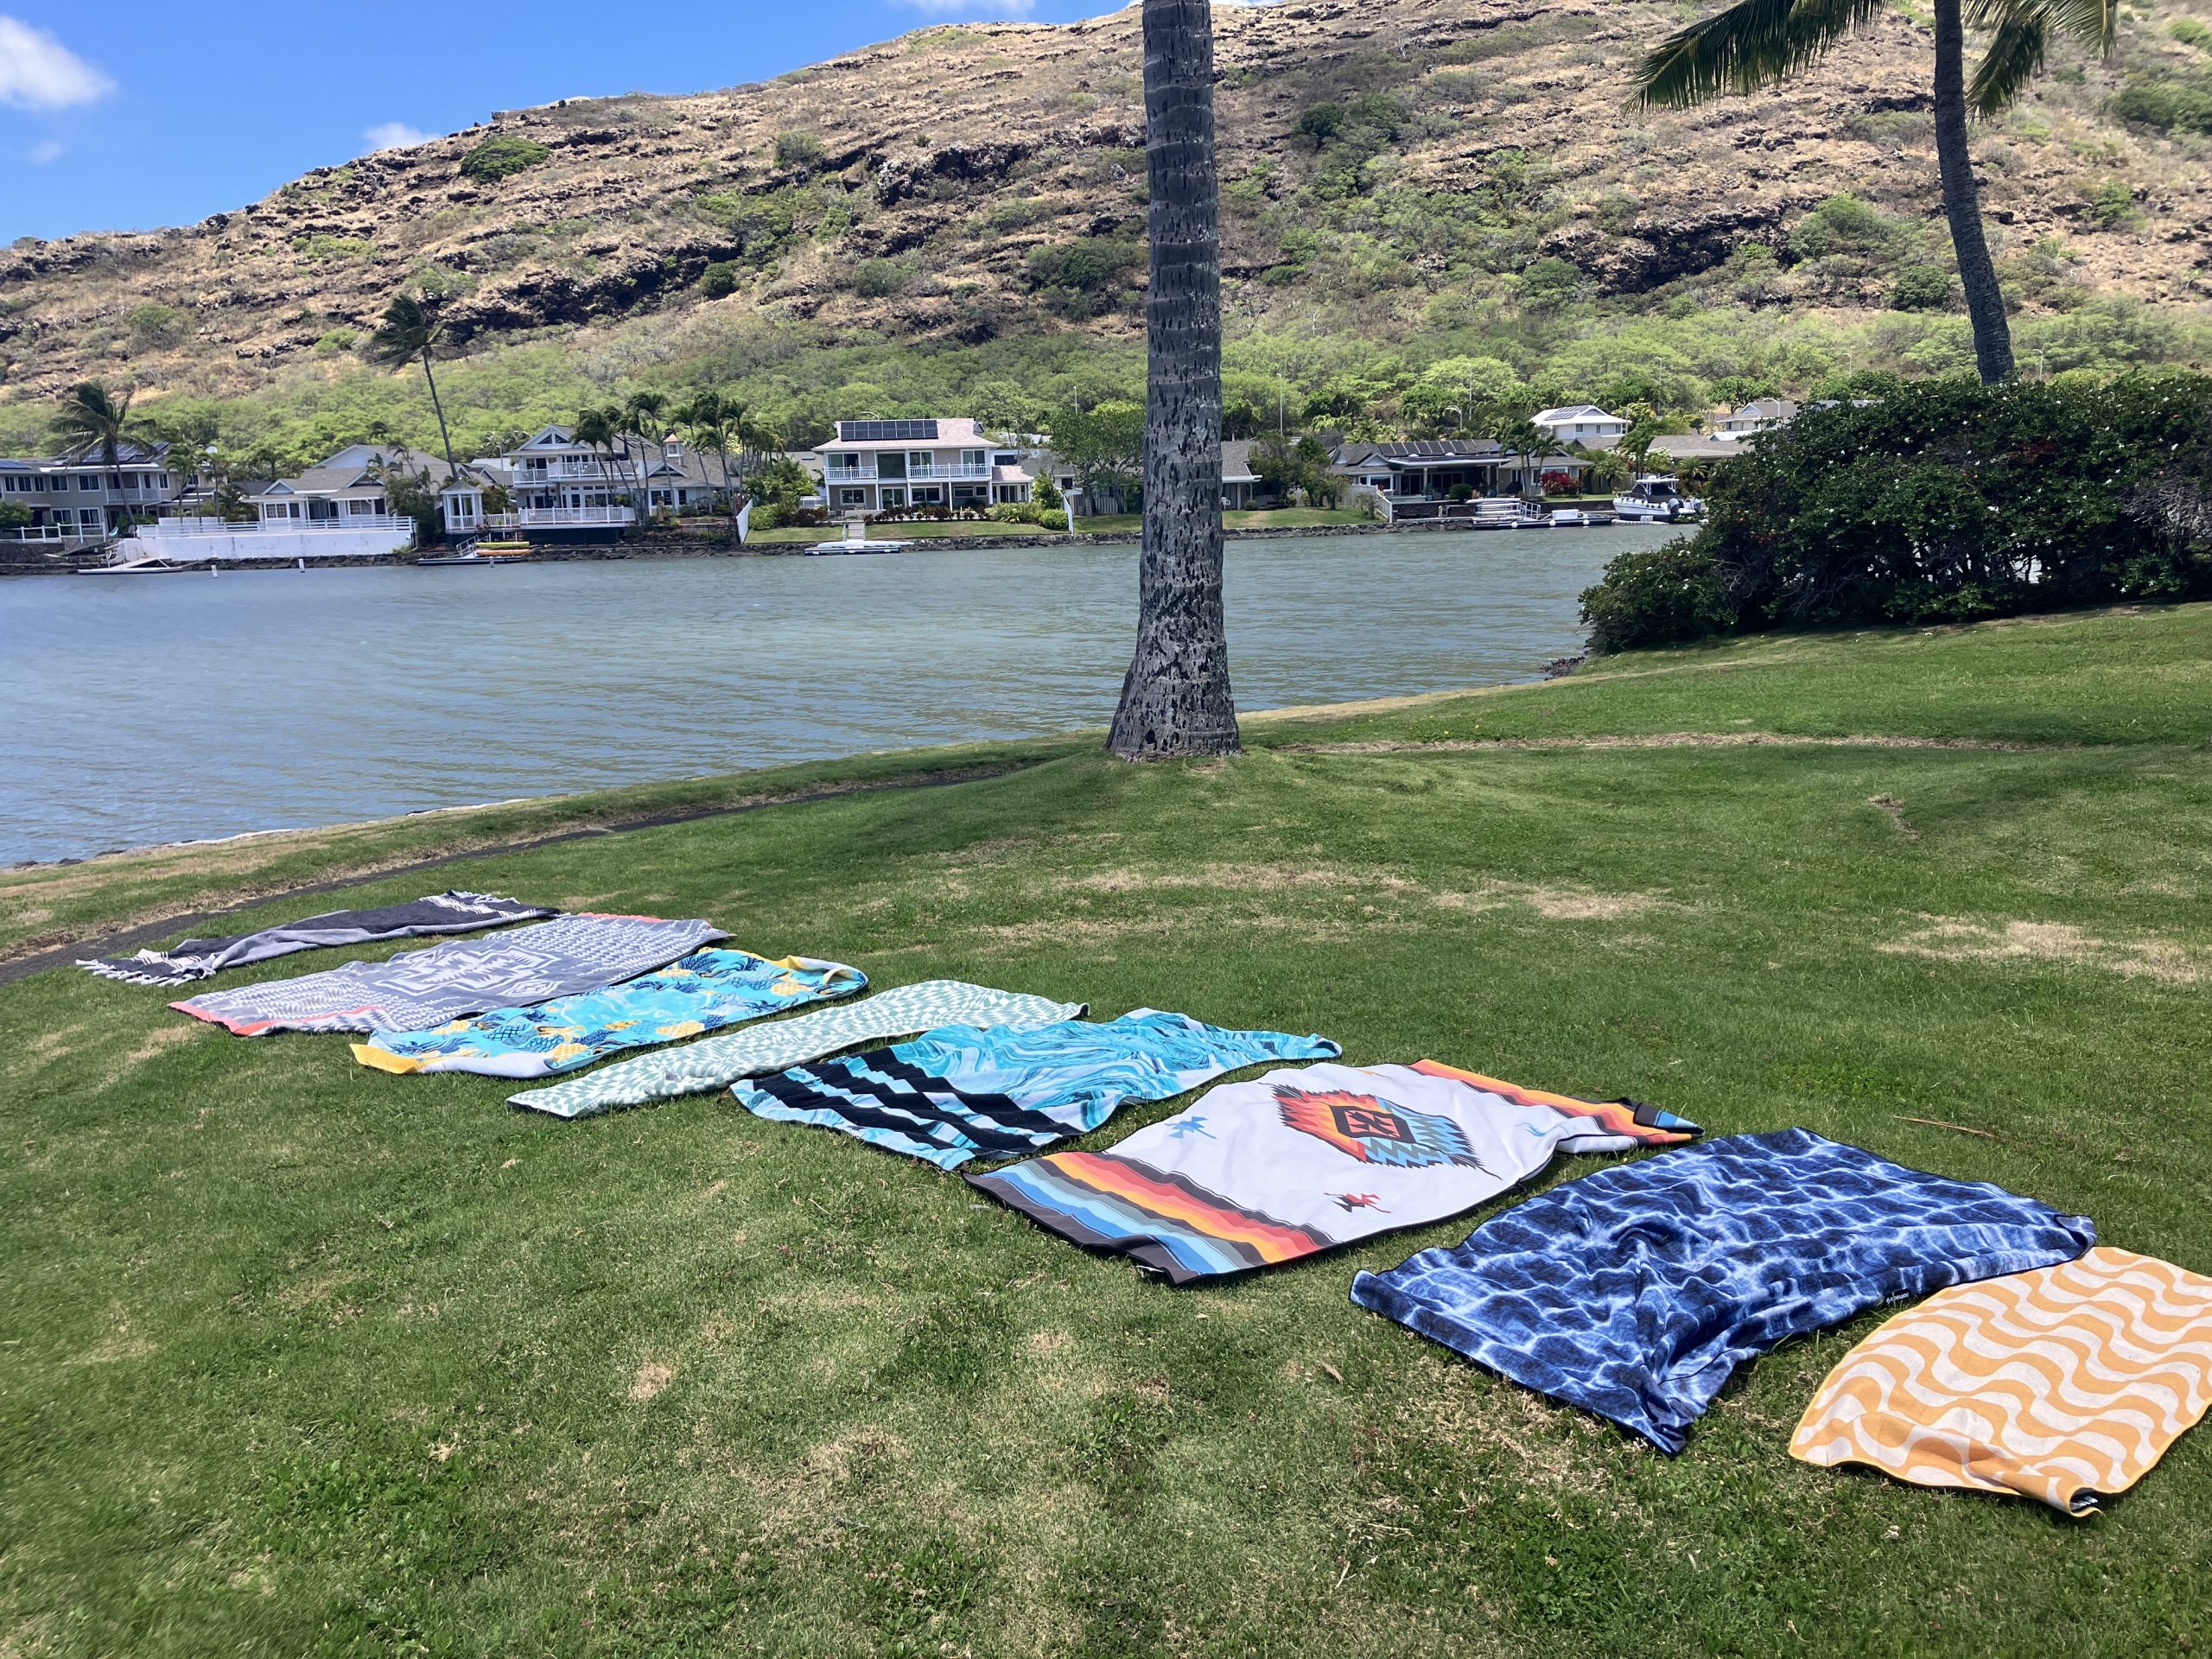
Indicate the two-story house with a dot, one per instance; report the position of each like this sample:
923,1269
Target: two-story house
1760,415
1583,424
874,466
80,498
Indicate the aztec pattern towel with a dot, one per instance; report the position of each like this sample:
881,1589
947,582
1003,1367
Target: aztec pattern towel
2065,1384
1300,1161
1633,1292
960,1093
441,912
705,991
427,988
718,1062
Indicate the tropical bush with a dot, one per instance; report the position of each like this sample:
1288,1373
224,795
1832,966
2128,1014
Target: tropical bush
719,280
1942,501
501,156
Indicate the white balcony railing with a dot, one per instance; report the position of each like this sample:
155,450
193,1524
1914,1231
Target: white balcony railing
167,527
559,517
569,471
956,474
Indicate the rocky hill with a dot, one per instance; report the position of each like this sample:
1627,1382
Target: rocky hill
1379,157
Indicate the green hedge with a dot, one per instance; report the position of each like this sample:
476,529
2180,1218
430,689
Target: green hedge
1942,501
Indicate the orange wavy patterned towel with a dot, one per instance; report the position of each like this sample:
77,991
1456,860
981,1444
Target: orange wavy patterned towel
2065,1384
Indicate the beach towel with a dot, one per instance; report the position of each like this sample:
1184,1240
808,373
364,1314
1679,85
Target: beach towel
1634,1292
2065,1384
1304,1161
441,912
705,991
427,988
717,1062
961,1093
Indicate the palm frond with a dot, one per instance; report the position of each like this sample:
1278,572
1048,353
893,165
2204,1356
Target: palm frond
2094,23
1752,44
2014,58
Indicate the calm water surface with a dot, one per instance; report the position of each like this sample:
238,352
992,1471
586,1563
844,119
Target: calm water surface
148,709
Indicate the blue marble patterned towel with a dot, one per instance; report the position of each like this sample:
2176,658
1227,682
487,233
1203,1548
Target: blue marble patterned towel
1634,1292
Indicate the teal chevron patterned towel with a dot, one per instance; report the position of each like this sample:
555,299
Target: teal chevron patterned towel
960,1093
718,1062
706,991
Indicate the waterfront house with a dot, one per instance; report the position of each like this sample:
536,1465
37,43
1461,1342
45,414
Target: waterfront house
1760,415
875,467
349,489
1424,478
79,499
1583,424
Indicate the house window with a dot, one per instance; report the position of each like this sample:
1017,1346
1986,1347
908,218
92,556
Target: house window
86,481
929,495
852,498
894,498
972,460
890,466
88,515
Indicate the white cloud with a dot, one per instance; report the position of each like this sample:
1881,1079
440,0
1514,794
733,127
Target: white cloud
46,151
973,7
38,73
396,134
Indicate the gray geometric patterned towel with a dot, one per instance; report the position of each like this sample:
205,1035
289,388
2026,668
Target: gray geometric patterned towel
441,912
427,988
717,1062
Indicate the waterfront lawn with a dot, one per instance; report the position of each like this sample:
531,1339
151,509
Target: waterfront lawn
1131,524
304,1358
920,529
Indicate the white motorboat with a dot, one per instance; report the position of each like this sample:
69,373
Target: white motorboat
1657,499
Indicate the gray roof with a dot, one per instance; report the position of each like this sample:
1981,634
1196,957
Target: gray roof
1689,445
357,467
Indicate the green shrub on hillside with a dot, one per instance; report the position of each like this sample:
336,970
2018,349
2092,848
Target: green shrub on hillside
878,279
719,280
1942,501
1922,288
2168,103
799,150
501,155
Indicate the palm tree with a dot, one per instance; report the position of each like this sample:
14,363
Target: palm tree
93,418
1757,42
1176,698
705,420
600,430
646,415
411,330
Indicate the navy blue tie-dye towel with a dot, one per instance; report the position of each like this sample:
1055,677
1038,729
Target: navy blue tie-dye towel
1635,1292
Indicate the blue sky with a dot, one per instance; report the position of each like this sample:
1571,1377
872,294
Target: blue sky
132,114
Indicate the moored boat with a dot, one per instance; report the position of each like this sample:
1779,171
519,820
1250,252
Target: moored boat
1657,499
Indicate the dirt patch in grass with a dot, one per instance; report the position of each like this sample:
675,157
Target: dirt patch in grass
47,1046
1893,809
1557,904
162,1038
652,1376
1950,938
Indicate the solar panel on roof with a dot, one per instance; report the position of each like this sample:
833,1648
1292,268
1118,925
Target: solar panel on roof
886,431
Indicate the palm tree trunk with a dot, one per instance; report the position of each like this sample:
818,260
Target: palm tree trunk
439,408
1176,698
1993,336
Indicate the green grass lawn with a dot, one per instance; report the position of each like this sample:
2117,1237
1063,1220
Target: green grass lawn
303,1357
920,530
1131,524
